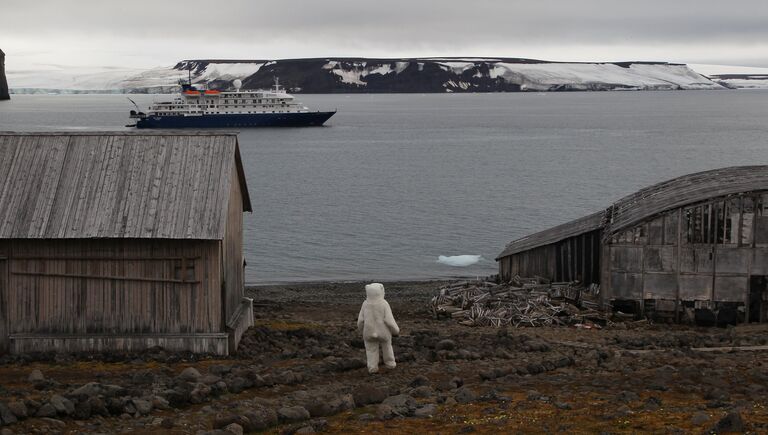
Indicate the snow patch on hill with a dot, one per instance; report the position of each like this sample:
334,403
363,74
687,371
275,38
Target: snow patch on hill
576,76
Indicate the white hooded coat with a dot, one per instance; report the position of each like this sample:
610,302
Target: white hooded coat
375,318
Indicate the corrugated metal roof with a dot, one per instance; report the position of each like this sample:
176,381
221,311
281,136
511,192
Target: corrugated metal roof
555,234
650,201
168,185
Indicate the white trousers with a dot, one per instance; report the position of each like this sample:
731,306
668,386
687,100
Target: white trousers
372,354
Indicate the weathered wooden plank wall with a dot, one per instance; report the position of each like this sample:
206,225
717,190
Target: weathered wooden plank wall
4,341
575,258
121,286
234,280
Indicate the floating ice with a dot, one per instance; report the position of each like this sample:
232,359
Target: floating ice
459,260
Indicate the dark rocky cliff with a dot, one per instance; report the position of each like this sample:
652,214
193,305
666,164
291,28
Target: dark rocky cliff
3,82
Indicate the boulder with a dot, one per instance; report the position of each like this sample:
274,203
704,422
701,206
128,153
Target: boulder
190,374
427,411
699,418
6,415
62,405
465,395
385,412
35,377
18,408
324,406
222,421
97,406
234,429
47,410
199,393
732,422
446,344
238,384
367,394
260,418
402,404
292,414
423,392
143,407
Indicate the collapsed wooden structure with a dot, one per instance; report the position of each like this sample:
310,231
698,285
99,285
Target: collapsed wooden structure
113,241
695,245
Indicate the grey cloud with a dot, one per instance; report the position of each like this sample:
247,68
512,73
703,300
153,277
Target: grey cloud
332,27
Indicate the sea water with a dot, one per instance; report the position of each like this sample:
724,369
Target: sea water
395,181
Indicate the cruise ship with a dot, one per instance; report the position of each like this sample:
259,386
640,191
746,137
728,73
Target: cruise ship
198,107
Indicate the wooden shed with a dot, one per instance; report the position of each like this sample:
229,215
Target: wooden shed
696,242
122,241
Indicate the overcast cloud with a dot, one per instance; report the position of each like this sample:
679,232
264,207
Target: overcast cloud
141,33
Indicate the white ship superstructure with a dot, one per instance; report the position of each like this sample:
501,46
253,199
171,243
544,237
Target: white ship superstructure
198,107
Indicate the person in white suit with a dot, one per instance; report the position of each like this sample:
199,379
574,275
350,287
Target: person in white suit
378,326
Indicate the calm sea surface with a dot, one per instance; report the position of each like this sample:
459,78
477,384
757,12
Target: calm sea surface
393,181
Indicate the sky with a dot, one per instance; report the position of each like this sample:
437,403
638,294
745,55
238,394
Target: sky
40,34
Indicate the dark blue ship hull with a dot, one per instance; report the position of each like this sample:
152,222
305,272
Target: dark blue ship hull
304,119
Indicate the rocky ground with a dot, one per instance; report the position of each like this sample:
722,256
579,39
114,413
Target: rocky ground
301,370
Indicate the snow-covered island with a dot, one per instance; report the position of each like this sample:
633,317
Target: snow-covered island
364,75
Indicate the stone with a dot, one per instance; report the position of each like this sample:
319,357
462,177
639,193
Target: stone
97,406
199,393
319,424
419,381
234,428
652,403
627,396
237,384
699,418
190,374
323,406
160,403
423,392
88,390
732,422
465,395
62,405
384,412
6,415
47,410
446,344
222,421
36,376
367,394
292,414
167,423
305,429
365,417
427,411
210,379
220,369
402,404
18,408
260,418
82,410
143,407
54,422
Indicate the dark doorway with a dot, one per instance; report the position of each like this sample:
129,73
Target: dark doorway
757,292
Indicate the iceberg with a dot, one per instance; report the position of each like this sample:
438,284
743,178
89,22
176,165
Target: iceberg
459,260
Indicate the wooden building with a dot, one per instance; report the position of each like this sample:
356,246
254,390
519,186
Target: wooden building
122,241
697,242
